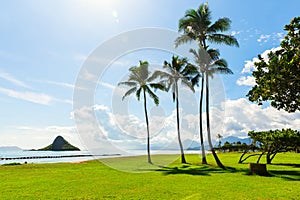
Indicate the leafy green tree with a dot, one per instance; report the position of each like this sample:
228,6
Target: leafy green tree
273,142
278,78
141,81
176,72
227,146
196,25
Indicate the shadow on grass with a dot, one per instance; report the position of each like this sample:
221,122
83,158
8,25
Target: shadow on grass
288,164
290,175
193,169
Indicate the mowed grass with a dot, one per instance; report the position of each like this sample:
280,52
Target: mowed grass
138,180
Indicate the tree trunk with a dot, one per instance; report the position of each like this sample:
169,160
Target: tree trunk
259,169
260,157
218,161
147,124
200,121
178,125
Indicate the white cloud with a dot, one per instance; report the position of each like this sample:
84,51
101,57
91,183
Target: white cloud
274,37
263,38
234,33
63,84
107,85
13,80
88,76
242,116
121,131
67,101
249,67
246,81
38,98
116,133
33,97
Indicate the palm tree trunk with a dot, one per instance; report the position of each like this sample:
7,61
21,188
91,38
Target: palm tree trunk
178,125
200,122
218,161
147,123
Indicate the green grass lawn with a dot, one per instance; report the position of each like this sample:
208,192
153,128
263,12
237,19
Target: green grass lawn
94,180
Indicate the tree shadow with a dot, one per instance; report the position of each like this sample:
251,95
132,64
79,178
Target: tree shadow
194,169
291,175
287,164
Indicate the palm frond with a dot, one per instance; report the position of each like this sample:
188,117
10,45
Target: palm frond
219,70
128,83
195,80
129,92
134,77
142,70
160,86
183,39
201,57
138,93
157,75
221,63
187,83
213,53
223,39
221,25
152,95
189,71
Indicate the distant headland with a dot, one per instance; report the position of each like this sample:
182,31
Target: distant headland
59,144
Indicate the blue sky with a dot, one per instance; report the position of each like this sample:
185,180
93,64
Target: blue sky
45,43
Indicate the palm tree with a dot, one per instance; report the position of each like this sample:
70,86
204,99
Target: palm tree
196,25
198,55
209,63
179,70
140,81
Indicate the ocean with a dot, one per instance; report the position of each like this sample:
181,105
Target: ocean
25,156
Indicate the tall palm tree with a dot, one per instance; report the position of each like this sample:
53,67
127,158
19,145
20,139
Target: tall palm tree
141,81
209,65
196,26
178,71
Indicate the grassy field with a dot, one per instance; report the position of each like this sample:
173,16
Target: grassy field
94,180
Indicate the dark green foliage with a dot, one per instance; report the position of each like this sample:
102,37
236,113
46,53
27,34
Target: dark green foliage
11,164
273,142
234,147
60,144
278,79
196,25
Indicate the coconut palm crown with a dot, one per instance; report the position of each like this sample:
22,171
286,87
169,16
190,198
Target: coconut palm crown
196,25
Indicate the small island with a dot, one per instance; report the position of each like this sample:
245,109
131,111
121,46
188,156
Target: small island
60,144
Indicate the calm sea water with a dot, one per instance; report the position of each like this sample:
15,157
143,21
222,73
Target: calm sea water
78,155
